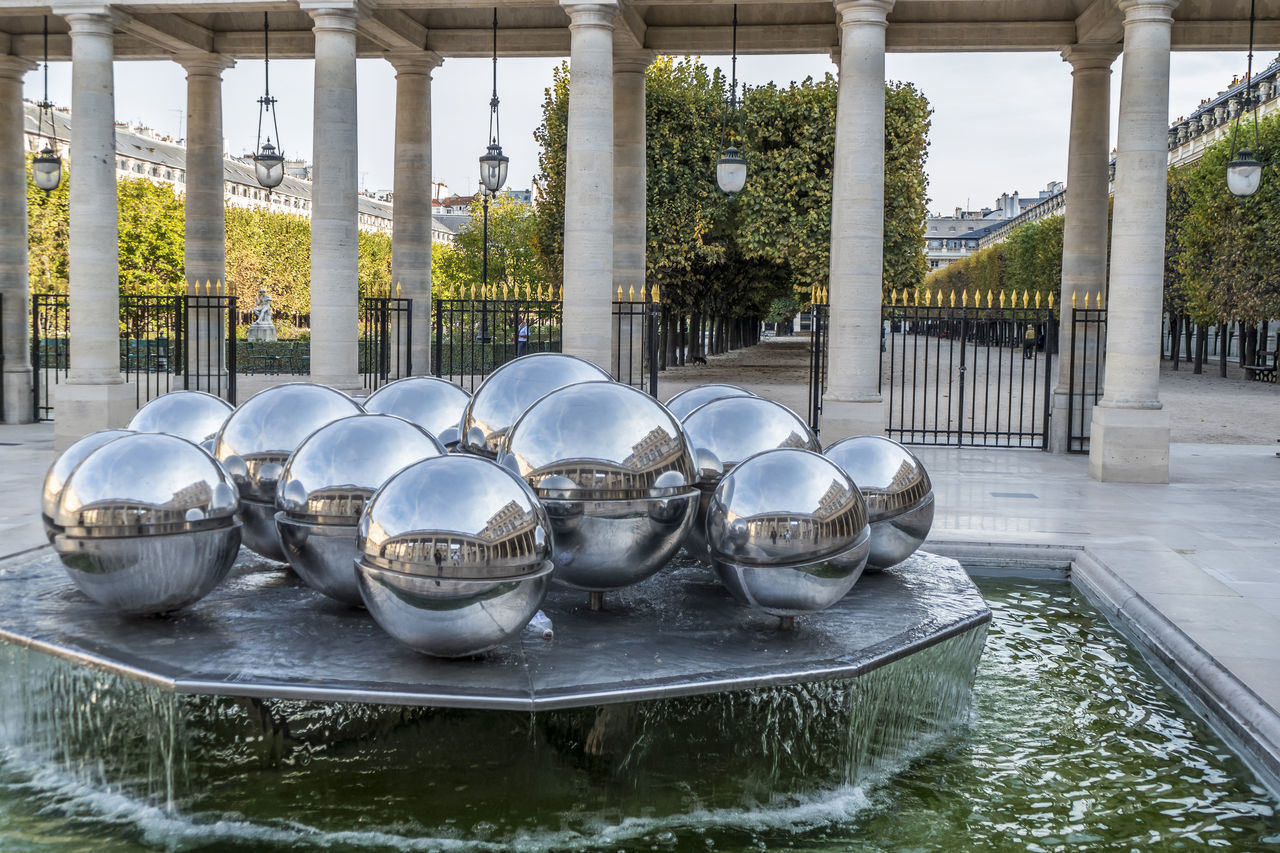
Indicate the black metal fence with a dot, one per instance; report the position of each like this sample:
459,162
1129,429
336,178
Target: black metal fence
968,375
386,340
50,349
818,323
1087,349
474,337
152,345
635,344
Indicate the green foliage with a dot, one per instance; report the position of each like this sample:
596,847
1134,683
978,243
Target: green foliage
48,229
1227,261
1028,261
271,251
736,257
152,228
513,261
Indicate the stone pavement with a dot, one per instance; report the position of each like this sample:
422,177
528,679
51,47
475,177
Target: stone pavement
1190,569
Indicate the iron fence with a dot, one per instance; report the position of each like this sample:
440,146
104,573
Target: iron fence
210,356
969,375
1088,346
818,324
386,340
152,349
474,337
635,344
50,349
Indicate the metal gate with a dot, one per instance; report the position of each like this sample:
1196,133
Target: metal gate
474,337
386,340
1087,347
635,343
817,362
966,375
50,349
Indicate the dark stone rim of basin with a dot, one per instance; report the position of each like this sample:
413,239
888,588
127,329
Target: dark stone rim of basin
264,634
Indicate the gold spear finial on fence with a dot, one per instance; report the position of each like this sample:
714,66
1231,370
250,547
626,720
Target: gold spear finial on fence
1073,299
631,293
1037,299
1086,300
653,294
990,297
964,299
1098,302
1050,300
1026,299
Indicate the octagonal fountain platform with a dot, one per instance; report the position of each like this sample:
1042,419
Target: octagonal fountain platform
264,634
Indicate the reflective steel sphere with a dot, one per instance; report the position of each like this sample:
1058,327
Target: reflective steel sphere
324,488
256,441
454,555
61,469
432,403
511,389
616,475
193,415
787,531
148,524
728,430
686,401
898,492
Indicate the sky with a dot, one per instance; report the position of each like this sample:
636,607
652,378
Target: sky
1000,120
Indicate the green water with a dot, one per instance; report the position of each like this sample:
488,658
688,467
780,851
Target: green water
1068,743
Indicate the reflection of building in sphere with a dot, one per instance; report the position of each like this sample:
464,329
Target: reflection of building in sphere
652,456
835,518
506,540
121,512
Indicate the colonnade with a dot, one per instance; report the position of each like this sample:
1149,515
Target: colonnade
604,234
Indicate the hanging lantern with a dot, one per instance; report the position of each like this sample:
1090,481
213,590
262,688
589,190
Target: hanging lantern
268,163
46,167
1244,173
493,164
731,168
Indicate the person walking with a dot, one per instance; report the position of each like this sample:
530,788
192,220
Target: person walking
522,337
1029,341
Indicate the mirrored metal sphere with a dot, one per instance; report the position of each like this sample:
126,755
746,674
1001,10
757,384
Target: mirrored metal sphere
454,555
193,415
898,492
432,403
325,486
686,401
258,438
148,523
511,389
729,430
787,531
615,472
61,469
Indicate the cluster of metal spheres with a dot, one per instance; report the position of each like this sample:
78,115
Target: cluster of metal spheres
448,515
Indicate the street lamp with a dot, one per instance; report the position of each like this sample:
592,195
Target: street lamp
493,174
731,168
1244,173
46,167
268,163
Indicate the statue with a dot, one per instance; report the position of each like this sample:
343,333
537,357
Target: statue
262,328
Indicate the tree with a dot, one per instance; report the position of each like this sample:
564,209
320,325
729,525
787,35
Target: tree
152,229
513,260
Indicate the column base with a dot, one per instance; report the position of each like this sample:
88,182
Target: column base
350,385
17,407
845,418
1129,445
79,409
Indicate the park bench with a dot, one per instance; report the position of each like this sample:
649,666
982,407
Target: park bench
144,355
1265,372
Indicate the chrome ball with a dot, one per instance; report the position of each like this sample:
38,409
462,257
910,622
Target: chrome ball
787,532
148,524
432,403
193,415
454,555
61,469
615,472
686,401
256,441
898,491
325,486
723,432
511,389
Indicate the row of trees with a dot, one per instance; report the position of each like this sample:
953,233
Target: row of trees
769,247
1028,261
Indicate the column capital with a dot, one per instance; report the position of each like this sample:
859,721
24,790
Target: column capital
594,14
338,15
872,12
1090,57
87,18
204,64
632,61
13,67
1160,11
413,62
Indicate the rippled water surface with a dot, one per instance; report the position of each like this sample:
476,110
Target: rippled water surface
1070,744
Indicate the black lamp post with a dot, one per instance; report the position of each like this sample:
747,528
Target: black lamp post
493,174
731,168
268,163
46,167
1244,173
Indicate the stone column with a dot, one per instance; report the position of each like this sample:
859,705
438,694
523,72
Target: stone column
411,234
1084,237
206,225
852,404
94,396
588,191
1130,430
630,230
16,405
334,212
